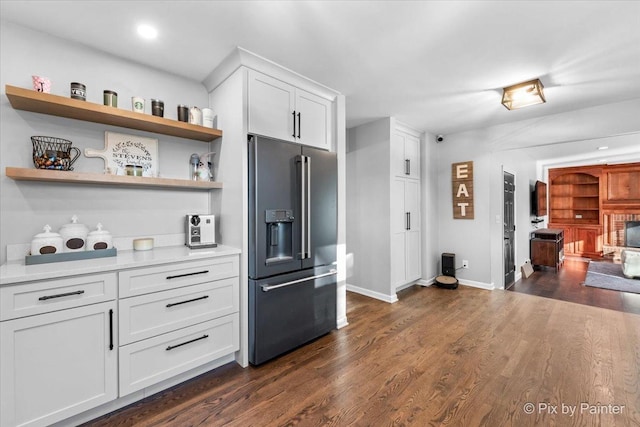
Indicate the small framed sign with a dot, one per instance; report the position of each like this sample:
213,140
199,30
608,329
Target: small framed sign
462,188
121,150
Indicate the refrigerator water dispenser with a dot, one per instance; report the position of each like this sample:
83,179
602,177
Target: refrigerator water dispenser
279,235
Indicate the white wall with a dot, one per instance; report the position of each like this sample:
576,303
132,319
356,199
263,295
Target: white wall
429,208
521,148
27,206
368,189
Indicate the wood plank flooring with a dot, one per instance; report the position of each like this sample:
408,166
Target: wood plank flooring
566,285
464,357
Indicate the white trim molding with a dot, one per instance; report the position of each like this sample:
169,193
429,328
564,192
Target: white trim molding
373,294
480,285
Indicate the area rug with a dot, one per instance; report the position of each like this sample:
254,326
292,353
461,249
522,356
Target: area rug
608,275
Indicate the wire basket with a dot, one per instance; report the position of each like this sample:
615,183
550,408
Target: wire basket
53,153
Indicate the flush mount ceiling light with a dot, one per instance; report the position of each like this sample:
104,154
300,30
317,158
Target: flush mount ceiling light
523,95
147,32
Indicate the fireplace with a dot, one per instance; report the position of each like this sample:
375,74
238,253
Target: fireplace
632,234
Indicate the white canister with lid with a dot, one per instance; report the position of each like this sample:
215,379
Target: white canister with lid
74,236
46,243
99,239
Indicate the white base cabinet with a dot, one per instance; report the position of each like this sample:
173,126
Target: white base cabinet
58,364
82,342
176,317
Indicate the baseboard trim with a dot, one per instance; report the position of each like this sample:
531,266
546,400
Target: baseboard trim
341,323
426,282
372,294
474,284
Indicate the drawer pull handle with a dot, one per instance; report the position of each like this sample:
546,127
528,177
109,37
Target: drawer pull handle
46,297
111,329
171,347
187,274
171,304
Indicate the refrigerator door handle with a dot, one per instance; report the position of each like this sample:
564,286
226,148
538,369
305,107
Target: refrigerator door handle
303,215
308,207
267,288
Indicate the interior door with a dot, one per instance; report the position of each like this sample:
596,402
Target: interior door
509,230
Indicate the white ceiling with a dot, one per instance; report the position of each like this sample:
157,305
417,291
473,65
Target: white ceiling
436,65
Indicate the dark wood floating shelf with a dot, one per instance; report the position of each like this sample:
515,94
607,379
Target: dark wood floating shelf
55,105
26,174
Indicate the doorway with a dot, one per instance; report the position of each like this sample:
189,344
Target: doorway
509,229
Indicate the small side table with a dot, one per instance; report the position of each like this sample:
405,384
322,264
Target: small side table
547,247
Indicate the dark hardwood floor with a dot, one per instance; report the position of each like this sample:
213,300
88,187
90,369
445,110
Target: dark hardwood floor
464,357
566,285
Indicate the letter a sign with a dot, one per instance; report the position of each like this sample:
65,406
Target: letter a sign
462,188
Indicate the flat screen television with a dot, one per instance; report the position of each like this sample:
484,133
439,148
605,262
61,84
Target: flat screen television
632,234
539,199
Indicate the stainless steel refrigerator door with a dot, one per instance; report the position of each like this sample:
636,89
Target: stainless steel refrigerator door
274,244
321,220
288,311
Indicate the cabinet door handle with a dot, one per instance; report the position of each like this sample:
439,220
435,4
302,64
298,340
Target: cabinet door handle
406,220
299,124
187,274
189,300
171,347
111,329
409,215
407,167
46,297
294,123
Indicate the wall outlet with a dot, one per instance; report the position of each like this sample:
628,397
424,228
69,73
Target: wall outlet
465,263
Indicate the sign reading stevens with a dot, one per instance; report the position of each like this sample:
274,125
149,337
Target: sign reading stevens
462,187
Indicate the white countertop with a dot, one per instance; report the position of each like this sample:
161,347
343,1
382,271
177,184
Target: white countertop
17,272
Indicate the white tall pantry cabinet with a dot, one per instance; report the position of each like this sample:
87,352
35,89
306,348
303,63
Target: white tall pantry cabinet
383,208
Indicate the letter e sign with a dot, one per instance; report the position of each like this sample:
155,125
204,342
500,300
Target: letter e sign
462,189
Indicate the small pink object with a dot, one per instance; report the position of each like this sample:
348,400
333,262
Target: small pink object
41,84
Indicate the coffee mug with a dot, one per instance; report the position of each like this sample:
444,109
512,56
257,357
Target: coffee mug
183,113
157,107
41,84
137,104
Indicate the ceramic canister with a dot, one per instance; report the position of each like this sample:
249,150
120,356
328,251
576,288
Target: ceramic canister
207,117
46,243
74,235
195,116
99,239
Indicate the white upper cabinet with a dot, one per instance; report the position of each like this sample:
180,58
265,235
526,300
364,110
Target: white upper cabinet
405,154
280,110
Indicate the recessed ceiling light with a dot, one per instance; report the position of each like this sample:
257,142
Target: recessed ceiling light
604,147
147,32
602,160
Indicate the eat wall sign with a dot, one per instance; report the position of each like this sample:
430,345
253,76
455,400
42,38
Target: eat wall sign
462,187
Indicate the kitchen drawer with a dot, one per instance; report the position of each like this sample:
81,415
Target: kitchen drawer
152,279
147,362
149,315
50,295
